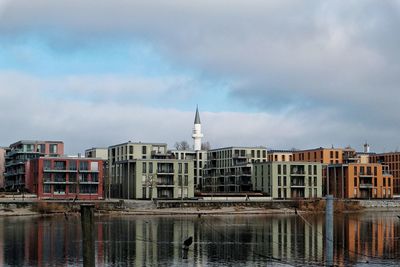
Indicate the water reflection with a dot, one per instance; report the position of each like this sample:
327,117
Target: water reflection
217,241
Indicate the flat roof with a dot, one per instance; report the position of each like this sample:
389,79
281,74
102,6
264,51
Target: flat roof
139,143
238,147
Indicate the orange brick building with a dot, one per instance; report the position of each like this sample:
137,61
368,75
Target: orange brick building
392,160
359,180
325,155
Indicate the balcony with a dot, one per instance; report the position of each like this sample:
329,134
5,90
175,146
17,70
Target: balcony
297,173
165,171
58,170
297,185
366,185
365,174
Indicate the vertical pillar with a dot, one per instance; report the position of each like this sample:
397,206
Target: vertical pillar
329,230
128,179
87,223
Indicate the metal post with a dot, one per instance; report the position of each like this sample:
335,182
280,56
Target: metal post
329,230
128,180
87,222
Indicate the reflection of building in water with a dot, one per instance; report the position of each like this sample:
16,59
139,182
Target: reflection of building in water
292,239
375,237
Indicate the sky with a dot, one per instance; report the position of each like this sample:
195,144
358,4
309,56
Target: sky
279,73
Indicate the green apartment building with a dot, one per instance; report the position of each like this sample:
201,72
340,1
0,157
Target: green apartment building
228,170
284,180
147,171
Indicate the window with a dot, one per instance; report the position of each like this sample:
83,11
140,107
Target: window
279,181
337,154
150,167
258,154
284,181
309,169
60,177
72,188
53,149
95,177
130,149
144,150
355,181
355,170
279,169
186,180
59,189
355,192
59,165
83,165
186,167
46,188
179,167
389,181
72,177
279,193
331,154
180,180
46,164
72,165
375,182
384,181
315,169
309,181
309,192
315,181
284,169
315,192
47,177
144,167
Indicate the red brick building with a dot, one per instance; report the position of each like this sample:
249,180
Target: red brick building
65,178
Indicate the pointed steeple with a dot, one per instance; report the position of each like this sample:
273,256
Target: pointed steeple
197,118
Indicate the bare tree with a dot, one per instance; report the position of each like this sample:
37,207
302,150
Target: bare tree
182,145
205,146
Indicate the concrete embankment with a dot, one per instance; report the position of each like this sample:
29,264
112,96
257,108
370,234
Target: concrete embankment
14,207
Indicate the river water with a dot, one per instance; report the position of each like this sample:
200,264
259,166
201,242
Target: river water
362,239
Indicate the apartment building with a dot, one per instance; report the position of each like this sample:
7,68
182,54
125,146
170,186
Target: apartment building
288,180
23,151
228,170
199,161
147,171
322,155
100,153
280,155
392,160
359,180
3,151
65,178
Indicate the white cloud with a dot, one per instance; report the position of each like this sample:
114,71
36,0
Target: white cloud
332,67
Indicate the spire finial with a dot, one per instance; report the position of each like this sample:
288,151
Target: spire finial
197,117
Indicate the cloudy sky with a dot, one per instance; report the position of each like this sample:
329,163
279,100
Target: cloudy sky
281,74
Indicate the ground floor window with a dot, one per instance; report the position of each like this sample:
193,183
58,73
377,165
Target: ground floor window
88,189
46,188
59,189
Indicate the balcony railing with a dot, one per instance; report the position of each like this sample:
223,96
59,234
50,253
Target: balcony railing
169,171
366,185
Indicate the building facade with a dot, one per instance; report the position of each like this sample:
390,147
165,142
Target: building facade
280,155
147,171
359,180
199,161
101,153
392,160
65,178
3,152
288,180
20,153
228,170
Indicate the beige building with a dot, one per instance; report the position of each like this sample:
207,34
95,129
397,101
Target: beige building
97,152
284,180
199,161
3,151
228,170
147,171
